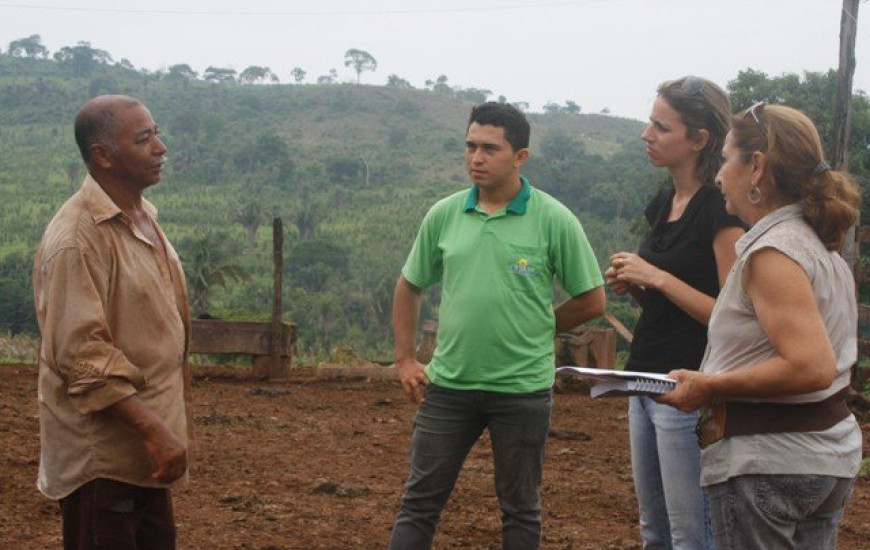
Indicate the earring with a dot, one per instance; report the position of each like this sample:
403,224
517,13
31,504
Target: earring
753,195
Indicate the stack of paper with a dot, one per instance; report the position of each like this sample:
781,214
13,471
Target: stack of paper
615,383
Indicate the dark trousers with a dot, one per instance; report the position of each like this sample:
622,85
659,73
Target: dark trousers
447,425
110,515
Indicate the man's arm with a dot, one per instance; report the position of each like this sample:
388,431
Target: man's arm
579,309
406,312
167,451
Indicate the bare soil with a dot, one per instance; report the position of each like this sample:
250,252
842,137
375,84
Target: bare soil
317,465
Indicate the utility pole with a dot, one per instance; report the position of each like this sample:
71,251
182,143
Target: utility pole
846,71
843,113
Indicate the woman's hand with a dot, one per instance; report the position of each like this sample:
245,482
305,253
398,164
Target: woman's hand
693,391
617,286
632,269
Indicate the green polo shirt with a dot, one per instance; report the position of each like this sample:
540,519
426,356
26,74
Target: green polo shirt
496,320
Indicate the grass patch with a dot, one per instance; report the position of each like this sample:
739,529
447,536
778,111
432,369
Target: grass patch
18,348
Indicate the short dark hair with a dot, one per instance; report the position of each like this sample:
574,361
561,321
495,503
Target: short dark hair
503,115
97,122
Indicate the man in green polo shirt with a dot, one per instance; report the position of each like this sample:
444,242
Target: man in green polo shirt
496,249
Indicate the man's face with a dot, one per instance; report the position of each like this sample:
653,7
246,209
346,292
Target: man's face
138,153
490,159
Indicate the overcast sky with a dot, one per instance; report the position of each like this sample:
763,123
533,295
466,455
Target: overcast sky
598,53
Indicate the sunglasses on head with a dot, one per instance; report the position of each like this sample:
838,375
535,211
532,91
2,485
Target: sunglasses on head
692,85
754,112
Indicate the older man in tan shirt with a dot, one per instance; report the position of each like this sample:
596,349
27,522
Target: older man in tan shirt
112,307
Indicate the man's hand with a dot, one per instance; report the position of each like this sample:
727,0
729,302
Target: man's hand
413,379
169,455
166,450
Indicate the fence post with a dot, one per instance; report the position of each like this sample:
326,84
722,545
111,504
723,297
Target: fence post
277,368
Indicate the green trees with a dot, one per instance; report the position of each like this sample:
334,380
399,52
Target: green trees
218,74
360,60
298,75
181,73
473,95
30,47
257,75
559,145
82,59
328,78
439,85
571,107
815,95
250,215
16,297
394,81
238,152
208,262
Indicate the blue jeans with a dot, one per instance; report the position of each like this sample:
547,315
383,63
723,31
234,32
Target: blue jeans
447,425
666,462
772,512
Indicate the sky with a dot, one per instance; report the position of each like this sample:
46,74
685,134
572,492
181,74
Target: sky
598,53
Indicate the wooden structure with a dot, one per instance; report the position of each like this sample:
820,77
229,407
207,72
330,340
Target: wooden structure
271,344
246,338
860,374
584,346
427,345
587,347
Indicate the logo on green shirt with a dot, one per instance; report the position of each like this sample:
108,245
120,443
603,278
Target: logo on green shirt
522,267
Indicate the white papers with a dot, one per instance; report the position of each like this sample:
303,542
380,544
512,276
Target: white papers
615,383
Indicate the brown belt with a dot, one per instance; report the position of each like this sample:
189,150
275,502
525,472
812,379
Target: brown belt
732,418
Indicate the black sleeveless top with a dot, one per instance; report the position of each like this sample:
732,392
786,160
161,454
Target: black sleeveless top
666,337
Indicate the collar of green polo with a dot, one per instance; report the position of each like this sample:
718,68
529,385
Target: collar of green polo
518,204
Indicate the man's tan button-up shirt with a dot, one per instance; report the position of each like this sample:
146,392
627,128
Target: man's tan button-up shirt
113,313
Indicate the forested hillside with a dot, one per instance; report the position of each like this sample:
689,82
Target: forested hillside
350,169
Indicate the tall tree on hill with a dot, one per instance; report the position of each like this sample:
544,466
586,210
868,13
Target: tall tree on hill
298,74
395,81
360,60
474,95
328,78
181,73
439,85
30,47
255,75
218,74
82,59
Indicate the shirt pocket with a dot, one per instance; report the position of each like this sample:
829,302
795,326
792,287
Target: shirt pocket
525,268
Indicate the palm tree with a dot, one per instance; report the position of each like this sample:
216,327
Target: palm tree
250,215
208,262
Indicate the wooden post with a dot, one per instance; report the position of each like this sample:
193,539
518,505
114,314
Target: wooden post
846,70
427,344
277,369
843,113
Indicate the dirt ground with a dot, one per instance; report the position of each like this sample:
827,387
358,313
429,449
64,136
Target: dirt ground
317,465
